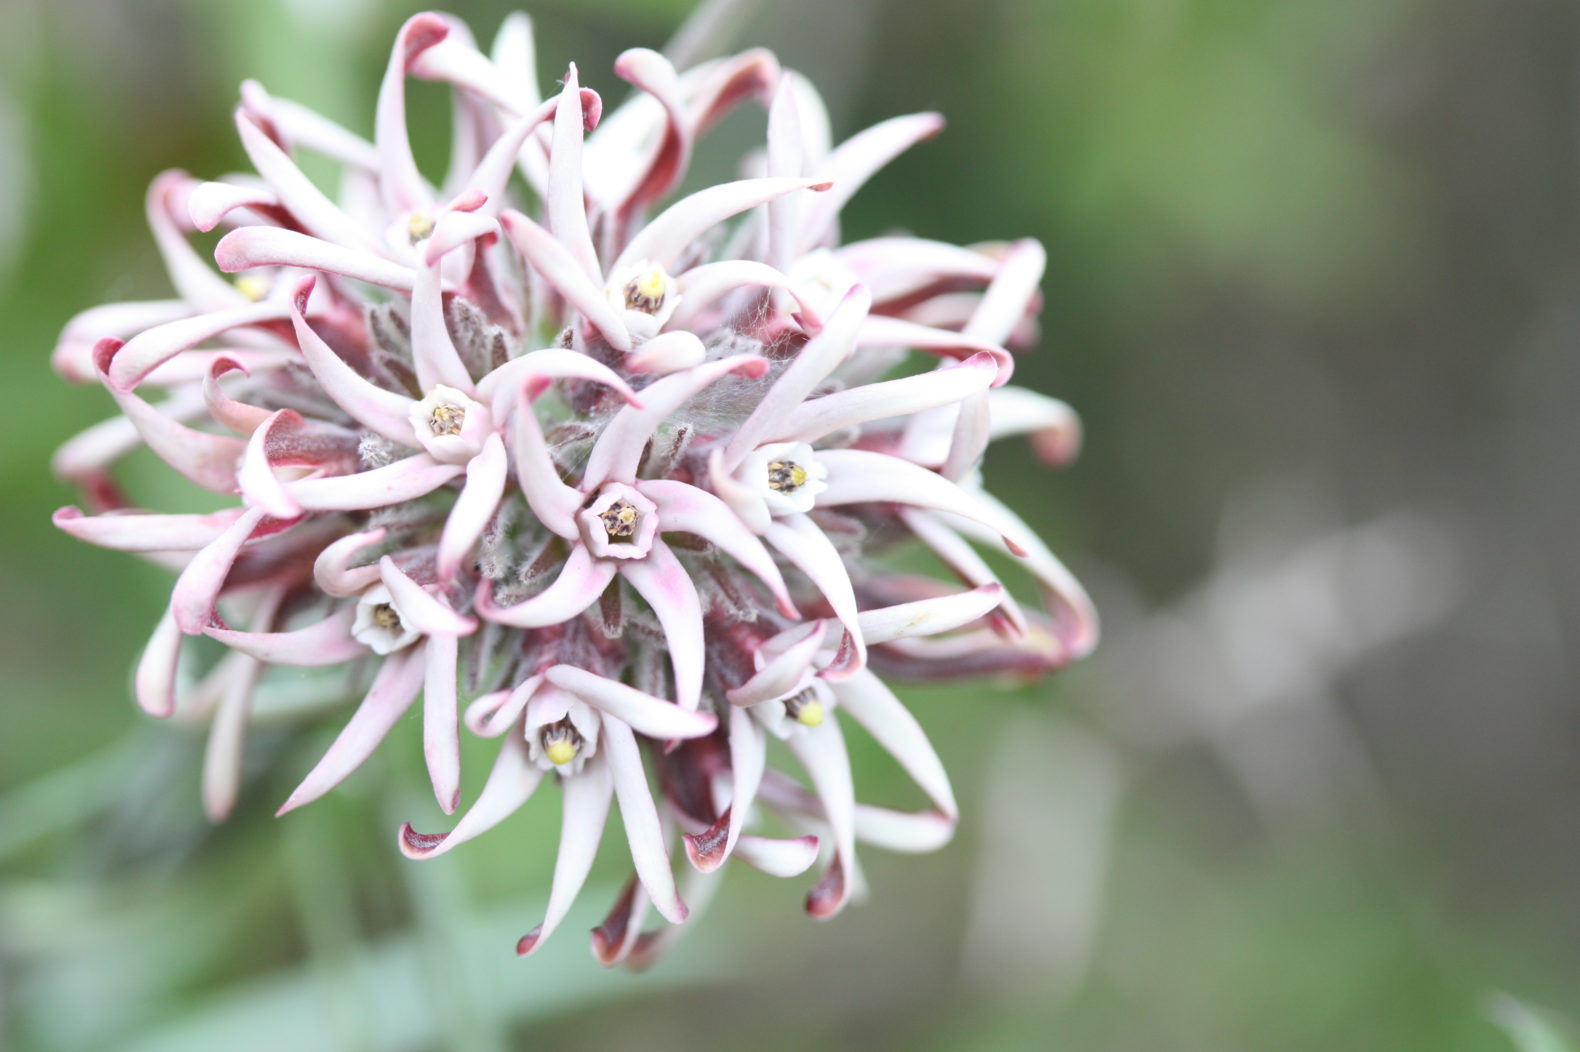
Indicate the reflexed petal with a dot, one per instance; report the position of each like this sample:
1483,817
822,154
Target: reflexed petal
778,858
905,831
316,213
663,582
154,683
405,190
209,203
433,352
649,716
798,539
1012,293
144,532
671,153
421,610
327,642
486,474
865,698
239,417
394,689
701,287
679,225
1053,425
929,617
551,500
376,488
668,352
786,671
203,458
855,161
332,570
370,405
883,331
963,560
821,750
267,246
642,827
566,206
857,476
534,371
814,419
199,585
586,810
441,739
510,784
561,270
581,581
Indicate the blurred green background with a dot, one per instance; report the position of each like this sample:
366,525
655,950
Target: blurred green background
1313,287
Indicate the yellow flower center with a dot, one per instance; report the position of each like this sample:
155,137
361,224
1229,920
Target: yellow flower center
805,709
561,742
447,419
620,519
785,476
646,292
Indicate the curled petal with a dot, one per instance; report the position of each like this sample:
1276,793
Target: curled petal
206,459
748,754
668,352
1053,425
814,419
433,352
865,698
586,809
394,688
394,483
642,828
790,857
493,714
858,476
309,207
880,330
551,500
653,73
421,610
255,478
405,190
701,287
266,246
237,416
370,405
1012,293
904,831
154,683
142,532
663,582
209,203
821,750
856,160
535,370
581,581
687,509
194,279
566,205
929,617
192,601
333,572
963,560
679,225
650,716
327,642
222,756
441,738
798,539
510,784
486,474
786,671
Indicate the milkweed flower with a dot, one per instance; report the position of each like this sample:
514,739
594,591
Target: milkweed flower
596,472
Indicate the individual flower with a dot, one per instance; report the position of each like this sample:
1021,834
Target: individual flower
606,476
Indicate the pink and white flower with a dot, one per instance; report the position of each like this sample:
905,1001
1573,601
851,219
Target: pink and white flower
589,471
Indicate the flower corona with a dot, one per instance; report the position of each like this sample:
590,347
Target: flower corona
602,473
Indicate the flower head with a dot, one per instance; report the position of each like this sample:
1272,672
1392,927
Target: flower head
594,475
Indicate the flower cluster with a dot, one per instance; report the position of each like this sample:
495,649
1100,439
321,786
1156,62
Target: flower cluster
610,479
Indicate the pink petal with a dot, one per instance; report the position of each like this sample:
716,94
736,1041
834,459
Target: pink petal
621,931
930,617
748,756
882,331
237,416
551,500
404,188
460,226
1011,295
493,172
510,784
143,532
433,353
199,585
394,483
222,757
327,642
154,683
581,581
485,486
812,420
701,287
206,459
191,275
642,828
687,509
301,126
857,476
786,671
678,226
858,159
969,439
618,451
441,737
903,831
778,858
647,715
663,582
534,371
265,246
560,269
821,750
72,357
671,153
394,688
209,203
586,810
865,698
421,610
312,210
332,570
744,501
256,478
799,539
785,160
668,352
493,714
383,412
566,205
1053,425
152,347
824,353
